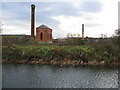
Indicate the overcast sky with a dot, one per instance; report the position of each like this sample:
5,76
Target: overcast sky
99,17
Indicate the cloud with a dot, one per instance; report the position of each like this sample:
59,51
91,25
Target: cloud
99,17
71,24
96,23
91,6
17,27
119,15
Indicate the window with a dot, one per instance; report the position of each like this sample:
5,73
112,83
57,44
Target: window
41,36
50,35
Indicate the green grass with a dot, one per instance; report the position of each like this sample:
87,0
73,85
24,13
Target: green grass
48,53
61,52
15,48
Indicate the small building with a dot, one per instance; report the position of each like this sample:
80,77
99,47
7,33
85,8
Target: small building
44,34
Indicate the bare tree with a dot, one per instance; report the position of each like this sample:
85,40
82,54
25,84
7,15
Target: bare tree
102,35
69,35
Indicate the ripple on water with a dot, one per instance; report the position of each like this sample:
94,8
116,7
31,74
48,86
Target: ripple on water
45,76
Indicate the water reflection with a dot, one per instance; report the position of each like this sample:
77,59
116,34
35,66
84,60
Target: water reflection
49,76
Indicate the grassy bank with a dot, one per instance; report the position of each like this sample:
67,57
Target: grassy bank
45,52
16,49
92,54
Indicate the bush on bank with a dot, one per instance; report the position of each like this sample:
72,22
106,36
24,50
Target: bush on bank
44,52
47,53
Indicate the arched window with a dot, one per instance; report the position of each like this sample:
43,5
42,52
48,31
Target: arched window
50,35
41,36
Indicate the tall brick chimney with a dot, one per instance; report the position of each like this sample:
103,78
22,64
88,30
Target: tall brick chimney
82,31
32,20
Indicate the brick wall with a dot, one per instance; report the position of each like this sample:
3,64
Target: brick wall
44,34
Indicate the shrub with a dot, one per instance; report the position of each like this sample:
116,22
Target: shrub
11,53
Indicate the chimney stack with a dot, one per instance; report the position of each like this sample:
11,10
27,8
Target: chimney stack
82,31
32,20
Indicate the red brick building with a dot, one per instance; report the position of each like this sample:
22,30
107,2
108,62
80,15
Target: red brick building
44,34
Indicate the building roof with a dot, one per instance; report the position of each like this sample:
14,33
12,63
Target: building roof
43,26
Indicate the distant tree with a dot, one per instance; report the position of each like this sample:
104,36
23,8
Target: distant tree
117,36
74,35
102,35
69,35
105,35
117,32
78,35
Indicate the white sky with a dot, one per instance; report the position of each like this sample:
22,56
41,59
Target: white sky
107,20
96,23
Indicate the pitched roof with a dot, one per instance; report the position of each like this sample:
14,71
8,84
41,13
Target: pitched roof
43,26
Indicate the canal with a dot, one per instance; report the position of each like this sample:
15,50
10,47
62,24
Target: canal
50,76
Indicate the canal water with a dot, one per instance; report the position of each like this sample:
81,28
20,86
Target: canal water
50,76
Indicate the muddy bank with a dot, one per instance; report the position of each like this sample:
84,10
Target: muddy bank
64,62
